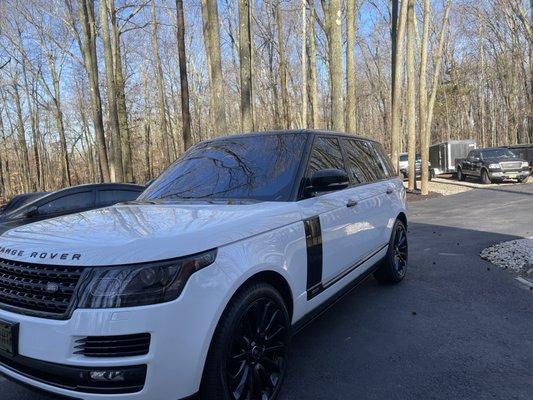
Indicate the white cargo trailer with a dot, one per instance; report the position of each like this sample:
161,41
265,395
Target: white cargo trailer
442,155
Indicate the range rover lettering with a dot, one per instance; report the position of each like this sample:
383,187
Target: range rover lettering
196,287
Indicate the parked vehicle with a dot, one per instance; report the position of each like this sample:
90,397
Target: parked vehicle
32,207
404,166
492,165
198,285
442,156
525,152
19,200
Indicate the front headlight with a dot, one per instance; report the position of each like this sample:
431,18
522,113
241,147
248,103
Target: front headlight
139,285
525,164
494,166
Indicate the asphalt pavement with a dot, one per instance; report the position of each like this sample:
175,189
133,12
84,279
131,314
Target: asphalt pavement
455,328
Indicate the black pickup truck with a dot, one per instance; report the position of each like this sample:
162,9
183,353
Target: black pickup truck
492,165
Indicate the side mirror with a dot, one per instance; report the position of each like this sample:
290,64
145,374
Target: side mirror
327,180
32,212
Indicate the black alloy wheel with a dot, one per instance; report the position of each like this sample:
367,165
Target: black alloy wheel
400,250
257,356
248,355
394,266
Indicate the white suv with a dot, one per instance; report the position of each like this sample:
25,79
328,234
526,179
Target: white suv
196,287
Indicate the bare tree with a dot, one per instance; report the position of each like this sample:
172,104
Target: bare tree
184,80
245,58
88,48
351,116
411,94
332,11
163,125
398,39
214,61
313,81
285,107
116,169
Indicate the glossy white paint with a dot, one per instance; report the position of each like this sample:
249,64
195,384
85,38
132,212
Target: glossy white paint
250,239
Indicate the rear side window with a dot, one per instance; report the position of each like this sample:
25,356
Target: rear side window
326,154
385,161
69,203
109,197
363,163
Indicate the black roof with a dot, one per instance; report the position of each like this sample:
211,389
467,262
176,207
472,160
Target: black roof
292,131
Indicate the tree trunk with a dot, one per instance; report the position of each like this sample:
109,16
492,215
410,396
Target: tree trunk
313,82
163,126
351,117
125,135
184,80
423,102
212,47
23,147
282,68
332,12
116,150
88,25
245,58
304,65
411,94
397,83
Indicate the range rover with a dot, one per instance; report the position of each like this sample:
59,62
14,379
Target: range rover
195,288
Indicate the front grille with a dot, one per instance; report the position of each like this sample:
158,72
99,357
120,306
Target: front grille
37,289
113,346
511,165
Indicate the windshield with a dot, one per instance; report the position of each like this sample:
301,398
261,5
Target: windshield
497,153
259,167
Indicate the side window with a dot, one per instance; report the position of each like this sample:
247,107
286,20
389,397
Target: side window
326,154
110,197
363,163
384,161
68,203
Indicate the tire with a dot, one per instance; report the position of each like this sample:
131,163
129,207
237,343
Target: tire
460,175
242,350
484,177
394,266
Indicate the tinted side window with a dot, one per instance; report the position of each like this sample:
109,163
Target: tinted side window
69,203
384,161
109,197
326,154
363,164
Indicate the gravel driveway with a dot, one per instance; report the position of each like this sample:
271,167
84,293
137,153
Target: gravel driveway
456,328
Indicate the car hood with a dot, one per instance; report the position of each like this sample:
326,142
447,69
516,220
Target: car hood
133,233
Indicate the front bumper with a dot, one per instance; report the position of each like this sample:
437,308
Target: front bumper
501,175
180,333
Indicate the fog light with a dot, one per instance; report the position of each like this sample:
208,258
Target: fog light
107,376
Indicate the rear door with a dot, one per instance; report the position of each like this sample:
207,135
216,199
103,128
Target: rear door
339,225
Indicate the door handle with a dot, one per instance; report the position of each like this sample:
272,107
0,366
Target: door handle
351,203
389,191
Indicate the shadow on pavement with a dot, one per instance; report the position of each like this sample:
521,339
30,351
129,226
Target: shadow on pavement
456,328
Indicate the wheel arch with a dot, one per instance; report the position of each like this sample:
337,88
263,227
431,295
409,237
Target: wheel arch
402,217
275,279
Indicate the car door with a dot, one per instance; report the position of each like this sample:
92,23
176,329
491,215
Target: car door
337,220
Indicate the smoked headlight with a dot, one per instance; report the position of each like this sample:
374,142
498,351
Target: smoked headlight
138,285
